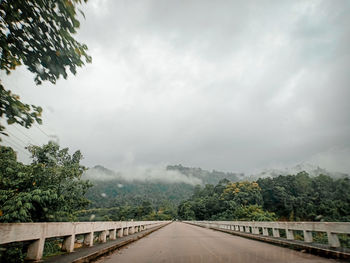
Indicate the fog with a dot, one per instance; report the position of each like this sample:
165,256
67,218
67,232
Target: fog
152,174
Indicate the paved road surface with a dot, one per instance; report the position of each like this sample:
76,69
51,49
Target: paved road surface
180,242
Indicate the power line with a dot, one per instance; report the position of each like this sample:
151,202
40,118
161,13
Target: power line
14,136
16,145
25,135
41,130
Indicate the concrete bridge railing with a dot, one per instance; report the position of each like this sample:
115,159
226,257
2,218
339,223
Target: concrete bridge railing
332,229
37,233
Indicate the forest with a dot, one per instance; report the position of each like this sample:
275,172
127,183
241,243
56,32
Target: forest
53,188
287,198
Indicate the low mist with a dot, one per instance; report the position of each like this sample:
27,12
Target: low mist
141,173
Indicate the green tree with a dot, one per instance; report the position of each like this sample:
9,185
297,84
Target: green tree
39,35
49,189
301,197
185,211
253,213
243,193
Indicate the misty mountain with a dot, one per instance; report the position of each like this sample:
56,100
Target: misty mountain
132,187
311,169
169,174
205,176
171,184
157,184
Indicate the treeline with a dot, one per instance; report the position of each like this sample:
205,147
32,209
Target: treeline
293,197
145,211
119,192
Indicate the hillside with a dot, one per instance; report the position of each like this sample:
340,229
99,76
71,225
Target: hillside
172,184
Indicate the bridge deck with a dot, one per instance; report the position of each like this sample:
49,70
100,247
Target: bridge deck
179,242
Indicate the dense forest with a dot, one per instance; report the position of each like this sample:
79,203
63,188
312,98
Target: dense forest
285,197
289,198
113,189
115,197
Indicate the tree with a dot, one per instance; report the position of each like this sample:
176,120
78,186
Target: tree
243,193
253,213
49,189
185,211
37,34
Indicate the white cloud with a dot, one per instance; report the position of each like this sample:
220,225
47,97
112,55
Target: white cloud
219,85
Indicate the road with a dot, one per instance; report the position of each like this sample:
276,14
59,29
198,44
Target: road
180,242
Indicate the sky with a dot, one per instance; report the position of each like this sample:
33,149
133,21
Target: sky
225,85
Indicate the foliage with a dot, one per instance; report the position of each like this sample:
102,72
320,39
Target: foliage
39,35
225,201
17,111
145,211
293,197
120,192
243,193
302,198
12,253
49,189
253,213
52,248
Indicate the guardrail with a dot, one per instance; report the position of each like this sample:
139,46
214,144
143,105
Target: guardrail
332,229
37,233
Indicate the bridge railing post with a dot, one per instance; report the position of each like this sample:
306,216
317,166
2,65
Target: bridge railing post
290,234
68,243
89,239
307,236
112,234
103,236
333,239
125,231
36,249
256,230
275,232
265,231
120,232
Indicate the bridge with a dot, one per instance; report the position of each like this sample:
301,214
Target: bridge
188,241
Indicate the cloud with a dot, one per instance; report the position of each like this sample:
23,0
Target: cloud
334,159
228,85
142,173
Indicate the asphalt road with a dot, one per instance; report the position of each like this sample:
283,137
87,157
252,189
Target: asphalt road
180,242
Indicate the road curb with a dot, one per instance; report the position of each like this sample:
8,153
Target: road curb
318,250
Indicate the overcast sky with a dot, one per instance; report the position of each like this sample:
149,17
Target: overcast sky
225,85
